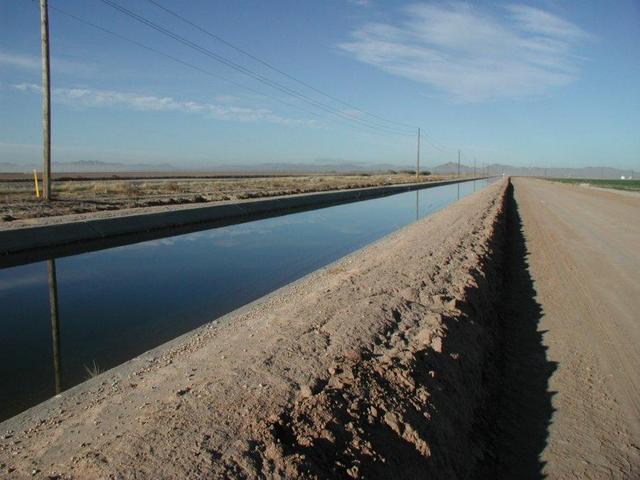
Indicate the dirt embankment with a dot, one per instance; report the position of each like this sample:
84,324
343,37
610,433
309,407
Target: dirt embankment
375,367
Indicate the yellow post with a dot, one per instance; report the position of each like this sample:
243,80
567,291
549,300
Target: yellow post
35,181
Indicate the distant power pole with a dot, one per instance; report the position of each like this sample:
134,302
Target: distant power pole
458,163
474,167
418,158
46,99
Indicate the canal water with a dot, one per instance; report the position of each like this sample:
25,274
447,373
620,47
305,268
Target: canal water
116,303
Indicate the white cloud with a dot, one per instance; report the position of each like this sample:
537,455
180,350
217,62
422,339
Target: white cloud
472,54
87,97
33,62
540,22
20,61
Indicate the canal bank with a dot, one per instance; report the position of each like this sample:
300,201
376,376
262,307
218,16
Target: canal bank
79,313
371,366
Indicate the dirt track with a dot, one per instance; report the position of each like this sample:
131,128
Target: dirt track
572,391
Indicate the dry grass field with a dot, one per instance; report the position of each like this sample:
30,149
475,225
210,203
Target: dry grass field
84,194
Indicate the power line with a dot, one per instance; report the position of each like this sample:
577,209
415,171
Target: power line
190,65
249,72
436,146
175,59
274,68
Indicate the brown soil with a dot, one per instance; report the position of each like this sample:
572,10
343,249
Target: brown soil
77,195
374,367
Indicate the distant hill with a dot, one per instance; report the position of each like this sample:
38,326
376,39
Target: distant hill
313,167
451,167
96,166
559,172
320,166
12,167
562,172
88,166
91,166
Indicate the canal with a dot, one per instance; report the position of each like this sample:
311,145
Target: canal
63,319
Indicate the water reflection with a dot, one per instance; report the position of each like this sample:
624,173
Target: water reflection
55,324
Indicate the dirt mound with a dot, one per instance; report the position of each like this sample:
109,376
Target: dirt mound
406,406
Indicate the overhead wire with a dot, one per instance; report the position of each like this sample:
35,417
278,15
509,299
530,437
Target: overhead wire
191,65
178,60
274,68
247,71
427,138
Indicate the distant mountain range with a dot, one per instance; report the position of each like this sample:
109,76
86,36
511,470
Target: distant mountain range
555,172
319,166
324,166
312,167
89,166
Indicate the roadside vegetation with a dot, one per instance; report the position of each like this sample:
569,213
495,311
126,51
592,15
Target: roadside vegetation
633,185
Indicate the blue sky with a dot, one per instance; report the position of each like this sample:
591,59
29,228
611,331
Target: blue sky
545,83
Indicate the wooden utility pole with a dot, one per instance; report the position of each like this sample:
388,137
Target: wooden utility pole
458,163
46,99
474,167
418,159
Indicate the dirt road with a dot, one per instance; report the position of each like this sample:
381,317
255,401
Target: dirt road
583,377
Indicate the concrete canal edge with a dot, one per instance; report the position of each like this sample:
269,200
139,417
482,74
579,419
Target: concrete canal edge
20,240
380,365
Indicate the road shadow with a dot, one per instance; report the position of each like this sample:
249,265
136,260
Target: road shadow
523,408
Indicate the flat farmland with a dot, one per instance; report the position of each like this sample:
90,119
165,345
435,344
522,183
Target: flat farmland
86,193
